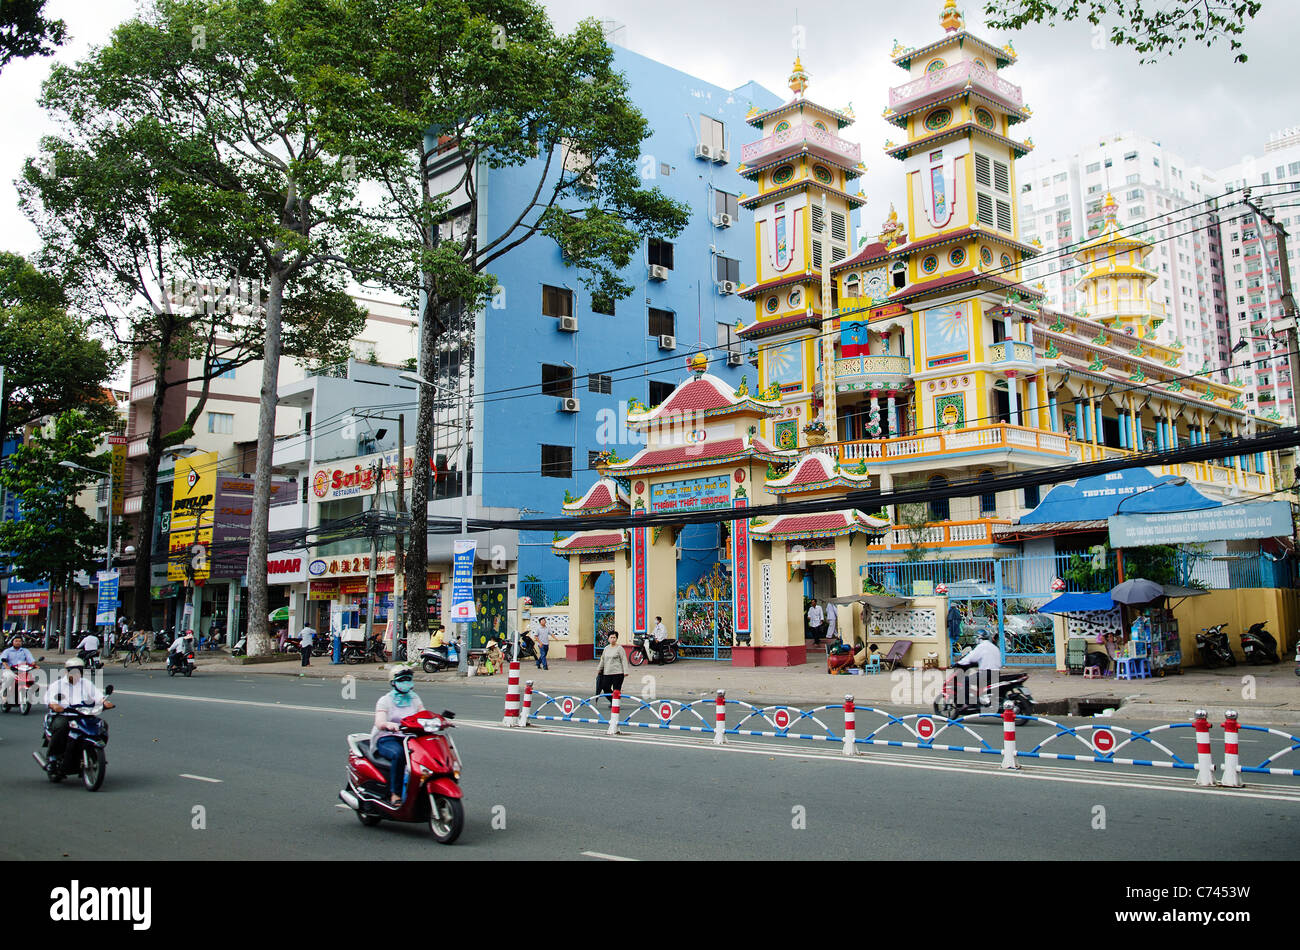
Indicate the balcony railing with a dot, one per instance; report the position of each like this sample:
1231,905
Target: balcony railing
940,535
142,389
1204,473
137,447
1011,351
873,367
794,137
978,438
944,82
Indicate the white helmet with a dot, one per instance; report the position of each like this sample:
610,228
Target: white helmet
76,663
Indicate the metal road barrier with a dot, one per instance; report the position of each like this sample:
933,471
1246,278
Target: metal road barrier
1098,743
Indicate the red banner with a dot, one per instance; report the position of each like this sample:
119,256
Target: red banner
27,603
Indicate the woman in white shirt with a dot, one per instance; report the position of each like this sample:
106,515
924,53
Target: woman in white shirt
394,706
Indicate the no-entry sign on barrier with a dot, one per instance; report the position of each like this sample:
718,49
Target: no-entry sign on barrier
665,711
1103,740
925,727
782,719
567,705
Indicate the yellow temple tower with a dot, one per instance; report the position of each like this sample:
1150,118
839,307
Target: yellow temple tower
802,227
1115,281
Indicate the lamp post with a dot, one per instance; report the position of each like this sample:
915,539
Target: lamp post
462,665
399,563
1119,552
108,547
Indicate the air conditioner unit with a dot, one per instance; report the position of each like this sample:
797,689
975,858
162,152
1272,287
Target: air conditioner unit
734,358
569,405
722,155
569,324
726,287
703,151
722,220
658,272
667,342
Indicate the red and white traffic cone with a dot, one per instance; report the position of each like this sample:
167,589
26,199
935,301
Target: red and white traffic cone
1204,764
1231,758
850,725
512,696
528,702
1009,736
720,718
613,715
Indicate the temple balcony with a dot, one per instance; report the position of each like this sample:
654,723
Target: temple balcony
941,534
934,445
873,372
1227,479
951,79
1011,355
792,140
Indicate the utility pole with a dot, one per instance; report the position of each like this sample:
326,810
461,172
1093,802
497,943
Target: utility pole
399,564
377,476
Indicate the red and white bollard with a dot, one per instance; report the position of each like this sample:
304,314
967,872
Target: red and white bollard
512,696
528,702
1204,764
613,715
1231,758
850,725
1009,736
720,718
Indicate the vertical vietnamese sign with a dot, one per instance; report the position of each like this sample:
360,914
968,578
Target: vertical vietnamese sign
462,582
117,444
194,491
106,603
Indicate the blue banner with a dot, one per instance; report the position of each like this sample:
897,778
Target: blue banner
462,582
107,603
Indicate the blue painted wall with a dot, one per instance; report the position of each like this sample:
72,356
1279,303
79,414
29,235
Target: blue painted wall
518,339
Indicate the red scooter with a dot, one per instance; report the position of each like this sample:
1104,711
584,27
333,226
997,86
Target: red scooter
985,693
432,790
23,690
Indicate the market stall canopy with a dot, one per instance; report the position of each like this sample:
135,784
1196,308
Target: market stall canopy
875,601
280,613
1173,590
1098,497
1137,591
1078,603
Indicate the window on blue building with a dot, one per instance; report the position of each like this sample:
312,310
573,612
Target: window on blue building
556,301
662,322
557,380
661,253
557,461
598,383
660,391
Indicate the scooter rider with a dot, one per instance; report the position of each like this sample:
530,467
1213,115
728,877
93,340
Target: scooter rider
180,648
88,648
72,690
657,638
985,658
15,654
394,706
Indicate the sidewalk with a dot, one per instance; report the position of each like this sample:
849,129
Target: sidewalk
1275,699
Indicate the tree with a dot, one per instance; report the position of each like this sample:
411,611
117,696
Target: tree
125,202
24,31
1149,29
493,85
51,539
52,363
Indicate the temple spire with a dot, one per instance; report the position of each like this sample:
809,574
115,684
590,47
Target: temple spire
798,78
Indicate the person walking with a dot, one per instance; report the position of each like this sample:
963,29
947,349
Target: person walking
305,640
832,621
543,643
815,620
612,668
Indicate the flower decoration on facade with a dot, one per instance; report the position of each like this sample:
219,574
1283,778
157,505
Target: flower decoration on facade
1138,376
568,497
1238,382
1175,387
1059,325
635,405
1174,360
1205,367
743,389
1029,143
772,393
1025,110
1058,585
898,50
699,364
1176,345
942,590
1052,352
1239,403
816,427
1138,351
1096,365
1101,339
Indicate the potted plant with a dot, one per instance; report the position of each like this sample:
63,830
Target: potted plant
815,432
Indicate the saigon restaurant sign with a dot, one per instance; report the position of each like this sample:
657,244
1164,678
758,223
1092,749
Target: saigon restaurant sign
357,476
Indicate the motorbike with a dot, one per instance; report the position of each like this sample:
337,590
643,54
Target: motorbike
996,687
432,790
527,648
322,646
436,659
34,638
24,688
240,648
667,652
356,651
1213,647
91,659
87,734
177,665
1258,645
1297,657
162,639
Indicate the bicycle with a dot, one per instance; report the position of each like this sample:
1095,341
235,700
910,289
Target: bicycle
137,655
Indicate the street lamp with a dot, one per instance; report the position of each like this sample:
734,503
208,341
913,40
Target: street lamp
462,665
108,548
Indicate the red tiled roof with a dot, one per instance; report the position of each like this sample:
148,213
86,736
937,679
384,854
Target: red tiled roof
810,470
688,453
763,327
963,234
583,542
804,524
699,395
871,252
958,280
753,290
599,497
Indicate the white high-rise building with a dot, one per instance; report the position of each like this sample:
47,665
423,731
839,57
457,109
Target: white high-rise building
1162,197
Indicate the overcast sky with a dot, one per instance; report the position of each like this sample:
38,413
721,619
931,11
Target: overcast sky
1199,103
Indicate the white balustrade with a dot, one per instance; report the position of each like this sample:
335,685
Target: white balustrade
950,78
797,135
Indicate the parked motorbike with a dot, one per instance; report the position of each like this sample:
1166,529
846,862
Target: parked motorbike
34,638
1213,647
322,646
163,638
527,647
175,664
1259,646
240,648
995,687
436,659
23,690
356,651
432,791
87,735
667,652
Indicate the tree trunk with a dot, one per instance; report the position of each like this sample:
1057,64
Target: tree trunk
148,501
417,552
259,639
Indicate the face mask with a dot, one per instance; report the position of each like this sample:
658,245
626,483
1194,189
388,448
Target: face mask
401,694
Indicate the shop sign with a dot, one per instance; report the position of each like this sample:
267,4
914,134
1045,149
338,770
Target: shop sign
695,494
462,583
106,602
1270,519
323,590
358,476
343,566
286,567
194,491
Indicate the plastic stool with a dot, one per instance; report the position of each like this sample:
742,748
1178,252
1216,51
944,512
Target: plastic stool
1133,668
873,663
1092,672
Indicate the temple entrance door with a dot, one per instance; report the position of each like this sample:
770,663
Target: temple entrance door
705,630
602,610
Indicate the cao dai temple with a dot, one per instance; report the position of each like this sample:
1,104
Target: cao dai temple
909,358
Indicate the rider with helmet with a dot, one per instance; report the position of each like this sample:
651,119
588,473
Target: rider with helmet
74,689
394,706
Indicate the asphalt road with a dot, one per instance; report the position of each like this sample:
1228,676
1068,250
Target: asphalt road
261,759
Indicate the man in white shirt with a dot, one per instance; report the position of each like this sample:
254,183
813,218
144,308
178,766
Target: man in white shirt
181,648
14,655
305,640
657,637
88,647
815,620
74,689
543,638
985,659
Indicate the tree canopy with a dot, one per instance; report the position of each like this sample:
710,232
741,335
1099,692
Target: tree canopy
25,31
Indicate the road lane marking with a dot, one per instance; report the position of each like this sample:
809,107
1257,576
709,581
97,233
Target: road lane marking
605,857
892,760
200,778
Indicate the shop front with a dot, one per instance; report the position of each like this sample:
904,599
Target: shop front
337,593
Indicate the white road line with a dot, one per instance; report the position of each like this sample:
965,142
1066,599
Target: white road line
605,857
201,778
986,768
